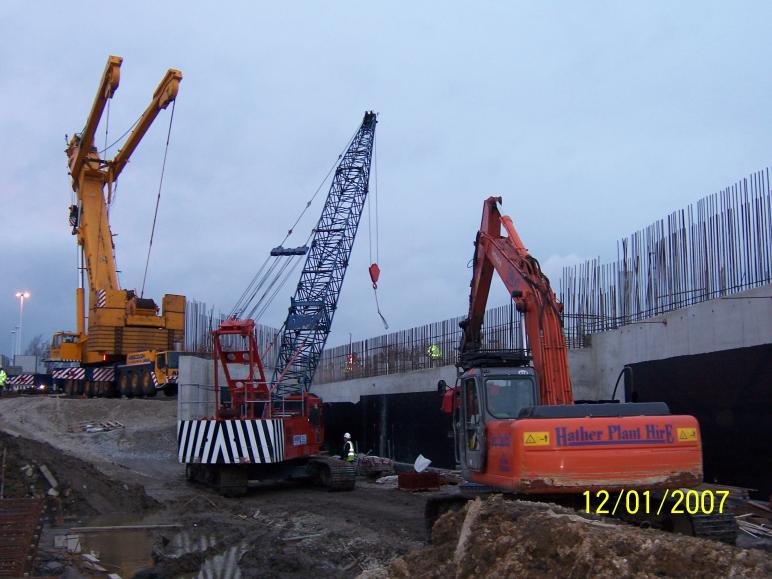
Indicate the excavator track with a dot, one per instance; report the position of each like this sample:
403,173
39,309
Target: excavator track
334,474
717,527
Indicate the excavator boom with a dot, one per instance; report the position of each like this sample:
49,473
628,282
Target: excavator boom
531,291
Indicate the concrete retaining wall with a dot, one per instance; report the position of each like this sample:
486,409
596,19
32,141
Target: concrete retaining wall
418,381
737,321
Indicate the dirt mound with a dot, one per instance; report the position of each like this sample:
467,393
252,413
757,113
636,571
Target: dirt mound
503,538
83,490
144,441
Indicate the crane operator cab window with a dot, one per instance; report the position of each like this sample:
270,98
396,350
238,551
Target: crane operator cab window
472,415
169,360
60,339
506,396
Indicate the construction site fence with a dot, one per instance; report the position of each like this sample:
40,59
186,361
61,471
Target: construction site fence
719,246
428,346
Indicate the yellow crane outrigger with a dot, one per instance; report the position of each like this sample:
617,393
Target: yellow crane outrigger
119,323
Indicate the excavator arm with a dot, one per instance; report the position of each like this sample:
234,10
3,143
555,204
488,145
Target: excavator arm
530,289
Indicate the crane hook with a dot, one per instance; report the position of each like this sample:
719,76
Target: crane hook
375,272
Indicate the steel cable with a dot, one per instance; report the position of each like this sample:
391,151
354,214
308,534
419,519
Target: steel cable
158,198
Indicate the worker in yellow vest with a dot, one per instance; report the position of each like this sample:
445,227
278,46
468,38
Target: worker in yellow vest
348,454
3,378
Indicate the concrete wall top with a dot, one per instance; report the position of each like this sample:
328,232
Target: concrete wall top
418,381
737,321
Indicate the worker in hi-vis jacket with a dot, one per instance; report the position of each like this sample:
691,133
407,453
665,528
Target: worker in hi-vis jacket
348,454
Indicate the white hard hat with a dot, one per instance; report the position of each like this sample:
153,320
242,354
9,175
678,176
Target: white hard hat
347,435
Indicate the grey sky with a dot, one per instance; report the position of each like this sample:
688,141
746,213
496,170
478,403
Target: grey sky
591,119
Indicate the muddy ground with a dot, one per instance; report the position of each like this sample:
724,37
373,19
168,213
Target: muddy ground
130,475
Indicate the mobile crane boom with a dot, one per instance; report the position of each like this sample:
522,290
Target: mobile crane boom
120,323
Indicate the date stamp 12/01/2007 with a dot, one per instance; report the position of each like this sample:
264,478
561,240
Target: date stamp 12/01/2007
674,502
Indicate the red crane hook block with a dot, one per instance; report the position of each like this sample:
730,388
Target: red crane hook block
375,272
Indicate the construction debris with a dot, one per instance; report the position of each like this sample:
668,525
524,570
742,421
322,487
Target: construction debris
374,466
92,426
49,477
756,530
419,481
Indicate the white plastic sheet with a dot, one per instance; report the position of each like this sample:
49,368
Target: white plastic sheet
422,463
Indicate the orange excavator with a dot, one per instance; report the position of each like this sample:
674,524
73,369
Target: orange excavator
517,429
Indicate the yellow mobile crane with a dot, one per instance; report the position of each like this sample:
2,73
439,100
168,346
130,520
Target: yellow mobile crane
124,344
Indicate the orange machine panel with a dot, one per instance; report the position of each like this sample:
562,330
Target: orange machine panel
576,454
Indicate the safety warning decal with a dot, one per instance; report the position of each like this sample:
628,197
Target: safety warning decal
687,435
536,438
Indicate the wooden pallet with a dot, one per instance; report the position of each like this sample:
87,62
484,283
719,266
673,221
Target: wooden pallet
20,526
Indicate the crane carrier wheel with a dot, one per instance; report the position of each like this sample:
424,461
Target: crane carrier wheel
124,388
136,384
718,527
148,388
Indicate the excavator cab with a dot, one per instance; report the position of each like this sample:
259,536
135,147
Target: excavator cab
486,394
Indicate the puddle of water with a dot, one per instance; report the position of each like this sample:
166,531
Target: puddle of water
127,551
224,565
124,552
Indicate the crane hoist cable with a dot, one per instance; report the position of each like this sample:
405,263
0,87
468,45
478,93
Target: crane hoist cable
119,139
374,270
258,313
158,198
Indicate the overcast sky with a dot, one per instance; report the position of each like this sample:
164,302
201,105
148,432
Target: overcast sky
591,119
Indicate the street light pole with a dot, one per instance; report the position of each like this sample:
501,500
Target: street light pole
13,344
22,295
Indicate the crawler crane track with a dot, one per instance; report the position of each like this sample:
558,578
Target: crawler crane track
336,475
